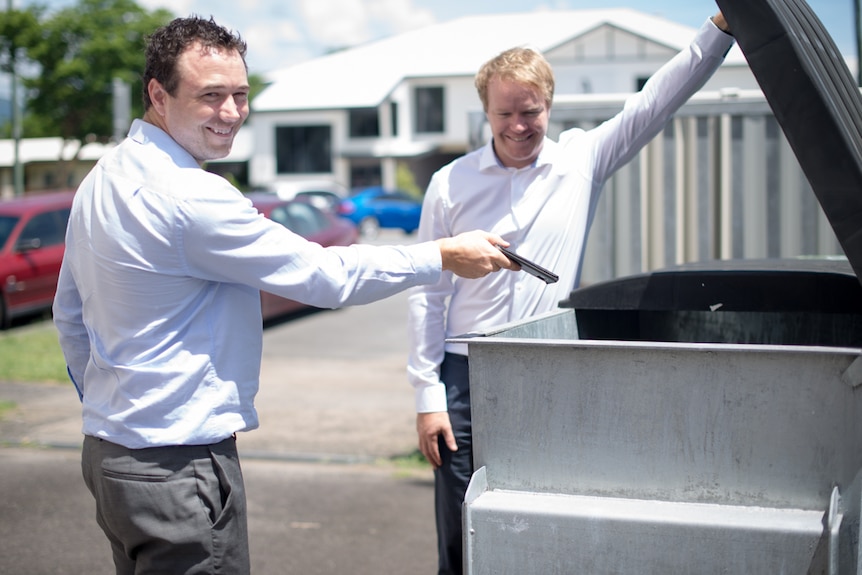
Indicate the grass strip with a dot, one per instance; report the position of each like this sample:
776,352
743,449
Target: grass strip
32,353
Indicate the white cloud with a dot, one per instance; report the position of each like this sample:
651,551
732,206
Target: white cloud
272,33
275,45
178,7
339,23
335,23
400,15
273,37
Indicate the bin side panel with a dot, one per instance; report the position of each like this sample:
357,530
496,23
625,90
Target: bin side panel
741,425
551,534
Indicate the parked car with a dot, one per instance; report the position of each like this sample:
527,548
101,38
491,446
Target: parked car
375,207
32,236
301,217
324,194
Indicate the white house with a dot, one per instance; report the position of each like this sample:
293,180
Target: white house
354,115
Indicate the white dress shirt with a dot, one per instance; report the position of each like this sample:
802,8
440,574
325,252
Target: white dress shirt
158,303
543,210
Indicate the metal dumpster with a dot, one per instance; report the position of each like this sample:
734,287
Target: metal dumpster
700,419
612,441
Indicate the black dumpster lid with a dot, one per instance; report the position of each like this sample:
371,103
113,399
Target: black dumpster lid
804,285
815,100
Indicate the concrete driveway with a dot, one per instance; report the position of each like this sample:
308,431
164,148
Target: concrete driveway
326,491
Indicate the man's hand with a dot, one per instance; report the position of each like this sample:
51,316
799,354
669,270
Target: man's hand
474,254
430,426
721,23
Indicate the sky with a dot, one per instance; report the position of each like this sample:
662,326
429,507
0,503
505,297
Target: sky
281,33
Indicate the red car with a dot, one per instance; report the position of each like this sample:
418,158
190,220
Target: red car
301,217
32,236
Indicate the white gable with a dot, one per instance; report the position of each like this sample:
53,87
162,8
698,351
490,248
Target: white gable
609,43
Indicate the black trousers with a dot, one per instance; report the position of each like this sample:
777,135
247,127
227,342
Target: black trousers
453,476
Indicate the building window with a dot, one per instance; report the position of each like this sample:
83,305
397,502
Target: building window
640,83
364,123
393,112
364,174
429,110
303,149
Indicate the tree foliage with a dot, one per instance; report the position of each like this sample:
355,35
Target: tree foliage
19,29
79,51
68,59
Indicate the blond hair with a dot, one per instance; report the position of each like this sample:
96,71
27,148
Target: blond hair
522,65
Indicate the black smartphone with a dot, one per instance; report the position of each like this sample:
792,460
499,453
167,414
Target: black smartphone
546,276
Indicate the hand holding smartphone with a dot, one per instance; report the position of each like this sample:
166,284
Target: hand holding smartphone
546,276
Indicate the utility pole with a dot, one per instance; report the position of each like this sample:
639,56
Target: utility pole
17,168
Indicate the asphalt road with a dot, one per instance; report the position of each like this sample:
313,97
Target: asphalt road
327,492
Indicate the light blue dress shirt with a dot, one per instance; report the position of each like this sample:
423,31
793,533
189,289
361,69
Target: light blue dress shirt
543,210
158,302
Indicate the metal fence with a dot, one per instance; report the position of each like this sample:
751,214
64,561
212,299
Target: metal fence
720,182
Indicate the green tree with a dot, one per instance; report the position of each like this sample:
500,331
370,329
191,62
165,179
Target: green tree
19,30
256,83
405,180
79,52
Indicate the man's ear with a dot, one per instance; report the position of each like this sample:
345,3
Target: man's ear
158,95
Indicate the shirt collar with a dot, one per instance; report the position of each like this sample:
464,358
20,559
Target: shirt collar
489,160
145,133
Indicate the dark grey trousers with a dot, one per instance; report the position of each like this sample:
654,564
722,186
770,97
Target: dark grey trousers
178,510
453,476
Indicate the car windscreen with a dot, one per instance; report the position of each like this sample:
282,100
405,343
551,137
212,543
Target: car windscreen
7,224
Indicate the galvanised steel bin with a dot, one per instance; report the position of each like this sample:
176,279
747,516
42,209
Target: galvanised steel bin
646,451
701,419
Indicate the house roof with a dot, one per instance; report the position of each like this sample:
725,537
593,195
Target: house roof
49,150
363,76
32,150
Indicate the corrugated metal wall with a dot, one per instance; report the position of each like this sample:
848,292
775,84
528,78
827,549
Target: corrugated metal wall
719,183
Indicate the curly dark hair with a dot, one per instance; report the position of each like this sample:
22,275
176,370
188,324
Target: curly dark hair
167,43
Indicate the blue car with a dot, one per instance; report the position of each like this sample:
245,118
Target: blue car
375,207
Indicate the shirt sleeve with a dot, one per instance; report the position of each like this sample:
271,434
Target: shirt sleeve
227,240
426,314
68,319
646,113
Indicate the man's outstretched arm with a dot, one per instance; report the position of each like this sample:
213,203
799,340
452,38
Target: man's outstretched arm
474,254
